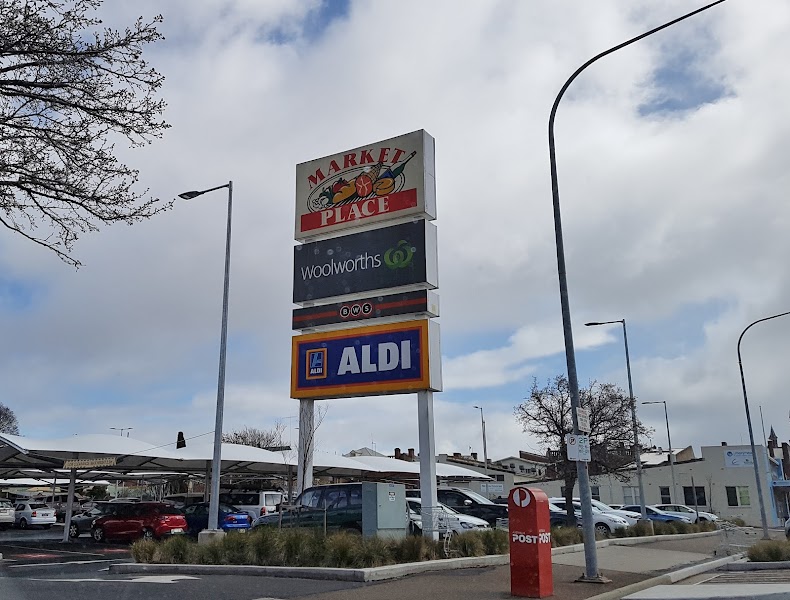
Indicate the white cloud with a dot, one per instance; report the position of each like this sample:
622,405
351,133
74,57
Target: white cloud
659,214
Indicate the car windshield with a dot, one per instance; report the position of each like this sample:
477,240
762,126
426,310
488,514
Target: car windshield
601,506
555,508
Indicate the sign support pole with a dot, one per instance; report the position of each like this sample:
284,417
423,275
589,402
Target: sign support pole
69,505
427,462
304,471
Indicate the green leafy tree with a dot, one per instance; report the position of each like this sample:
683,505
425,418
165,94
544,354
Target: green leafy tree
69,91
546,414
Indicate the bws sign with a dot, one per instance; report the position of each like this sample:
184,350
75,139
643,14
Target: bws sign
391,257
366,361
420,302
385,180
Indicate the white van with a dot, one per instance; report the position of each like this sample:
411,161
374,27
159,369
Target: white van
255,503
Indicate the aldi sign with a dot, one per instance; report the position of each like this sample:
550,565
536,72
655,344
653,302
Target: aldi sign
391,257
385,180
365,361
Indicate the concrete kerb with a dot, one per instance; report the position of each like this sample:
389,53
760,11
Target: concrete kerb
667,578
758,566
377,573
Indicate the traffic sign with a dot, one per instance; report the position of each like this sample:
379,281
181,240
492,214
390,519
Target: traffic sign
583,419
578,447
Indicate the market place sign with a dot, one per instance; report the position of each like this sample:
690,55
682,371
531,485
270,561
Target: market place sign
381,181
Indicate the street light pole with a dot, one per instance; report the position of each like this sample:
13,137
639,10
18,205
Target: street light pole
763,517
669,441
590,552
634,426
213,514
485,447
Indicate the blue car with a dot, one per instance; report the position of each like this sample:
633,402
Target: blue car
230,518
655,514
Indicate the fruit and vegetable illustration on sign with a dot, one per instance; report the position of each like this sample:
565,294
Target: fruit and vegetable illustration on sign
380,181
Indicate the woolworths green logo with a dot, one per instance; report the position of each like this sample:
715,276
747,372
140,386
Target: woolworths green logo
400,256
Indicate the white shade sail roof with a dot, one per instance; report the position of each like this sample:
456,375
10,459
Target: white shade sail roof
18,455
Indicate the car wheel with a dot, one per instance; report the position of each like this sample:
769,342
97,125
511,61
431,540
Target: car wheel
602,529
74,531
23,523
98,534
148,534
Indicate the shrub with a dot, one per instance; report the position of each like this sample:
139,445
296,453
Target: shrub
173,551
340,550
737,521
372,552
495,541
265,546
412,548
234,549
668,528
301,548
769,551
143,551
468,543
565,536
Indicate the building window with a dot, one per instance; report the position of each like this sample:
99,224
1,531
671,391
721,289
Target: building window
665,497
500,477
595,492
688,495
512,465
631,495
738,495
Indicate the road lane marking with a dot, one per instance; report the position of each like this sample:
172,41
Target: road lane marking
51,550
144,579
52,564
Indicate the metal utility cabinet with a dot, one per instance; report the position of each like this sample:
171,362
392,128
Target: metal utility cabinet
384,511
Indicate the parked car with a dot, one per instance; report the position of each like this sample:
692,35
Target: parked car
630,517
605,523
83,521
447,519
129,520
34,513
681,510
6,514
467,502
183,500
255,503
126,499
339,504
230,518
656,514
787,529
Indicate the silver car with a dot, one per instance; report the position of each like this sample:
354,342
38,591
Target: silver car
6,514
34,513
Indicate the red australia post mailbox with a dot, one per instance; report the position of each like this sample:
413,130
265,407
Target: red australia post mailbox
530,543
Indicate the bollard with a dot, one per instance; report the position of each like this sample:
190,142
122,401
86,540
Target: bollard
530,543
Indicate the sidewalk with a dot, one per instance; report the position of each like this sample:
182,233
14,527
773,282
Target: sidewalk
624,565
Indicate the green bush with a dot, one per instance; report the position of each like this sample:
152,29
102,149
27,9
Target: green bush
341,550
468,543
565,536
668,528
143,551
234,549
301,547
172,551
412,548
265,546
495,541
769,551
372,552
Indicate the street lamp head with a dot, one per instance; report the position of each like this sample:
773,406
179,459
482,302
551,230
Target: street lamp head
189,195
655,402
593,323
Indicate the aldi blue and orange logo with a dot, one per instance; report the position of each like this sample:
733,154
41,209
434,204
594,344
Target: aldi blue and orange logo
316,363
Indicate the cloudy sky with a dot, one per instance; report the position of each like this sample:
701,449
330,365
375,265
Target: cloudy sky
673,171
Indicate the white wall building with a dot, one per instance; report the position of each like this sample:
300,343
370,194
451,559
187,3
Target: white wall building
723,480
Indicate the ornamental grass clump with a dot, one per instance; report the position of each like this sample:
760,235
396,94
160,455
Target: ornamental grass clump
468,543
565,536
172,551
143,551
769,551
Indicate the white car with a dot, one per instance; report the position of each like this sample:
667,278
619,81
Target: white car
6,514
448,518
629,516
681,510
34,513
605,523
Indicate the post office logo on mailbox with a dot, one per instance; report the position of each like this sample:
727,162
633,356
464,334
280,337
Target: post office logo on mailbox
521,497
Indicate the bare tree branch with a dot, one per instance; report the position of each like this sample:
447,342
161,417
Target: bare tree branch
68,91
8,422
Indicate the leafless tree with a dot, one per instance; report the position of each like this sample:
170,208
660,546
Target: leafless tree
546,414
8,422
68,92
258,438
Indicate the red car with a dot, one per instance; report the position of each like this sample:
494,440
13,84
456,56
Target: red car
149,520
